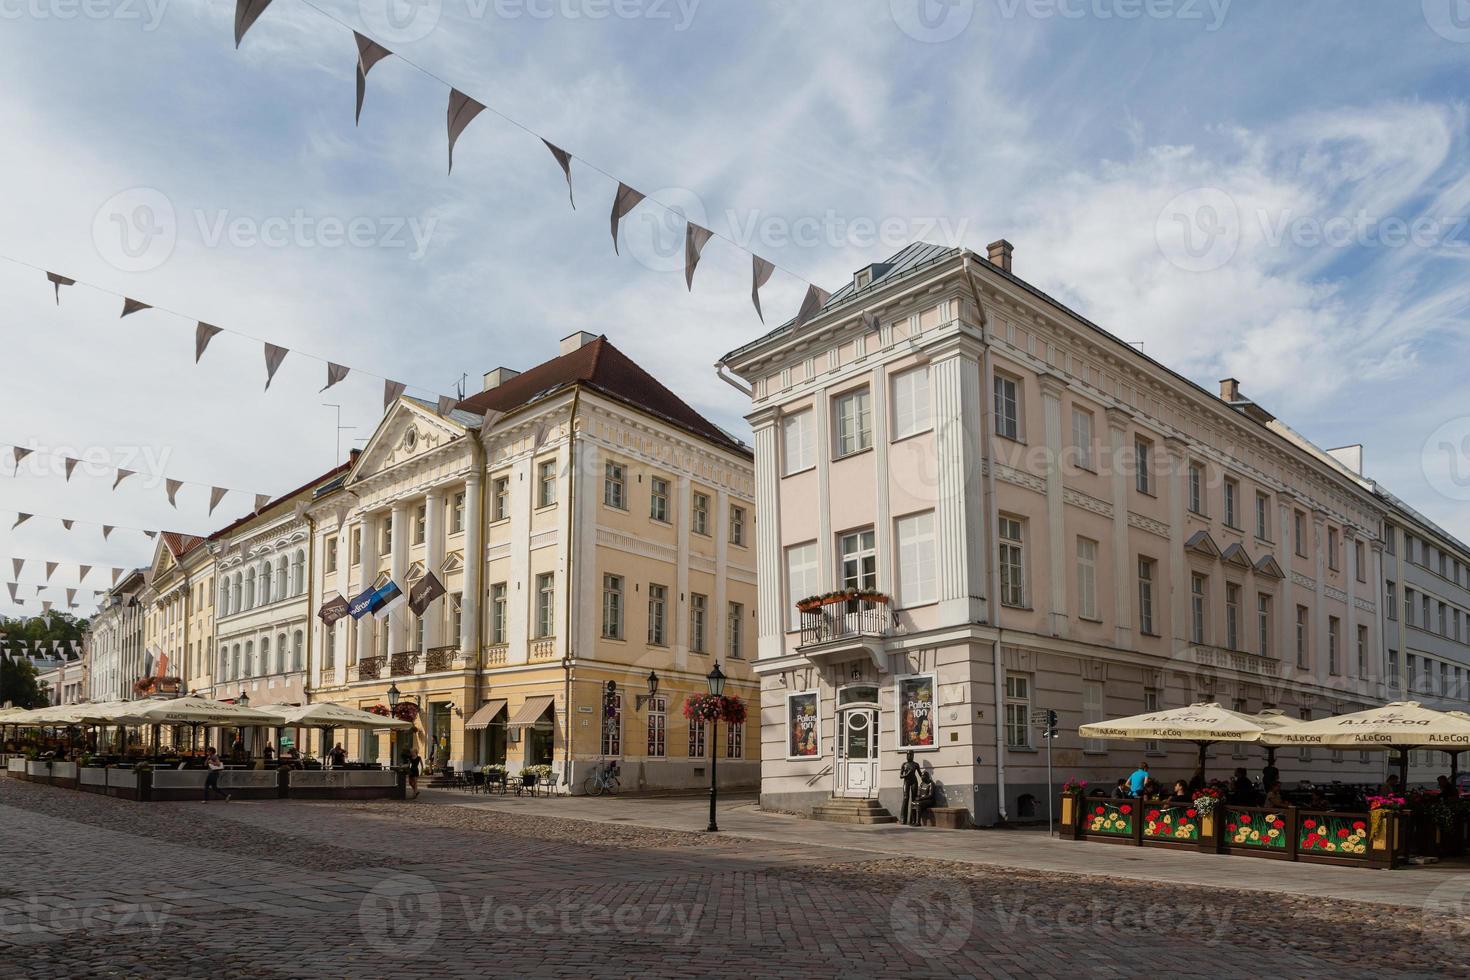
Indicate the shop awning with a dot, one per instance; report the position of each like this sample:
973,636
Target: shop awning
531,712
486,714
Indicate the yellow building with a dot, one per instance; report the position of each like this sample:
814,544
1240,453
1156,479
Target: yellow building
178,626
588,527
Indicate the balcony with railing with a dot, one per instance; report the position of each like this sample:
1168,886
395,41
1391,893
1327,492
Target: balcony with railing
370,668
1238,660
543,649
441,658
840,624
496,654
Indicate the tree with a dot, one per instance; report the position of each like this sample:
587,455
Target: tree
24,635
19,686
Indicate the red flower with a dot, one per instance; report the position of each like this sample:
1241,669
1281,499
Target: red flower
1125,808
1309,824
1099,811
1245,818
1230,827
1343,832
1153,814
1279,824
1357,825
1191,812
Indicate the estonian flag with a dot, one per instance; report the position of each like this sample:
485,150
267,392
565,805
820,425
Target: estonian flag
362,605
387,599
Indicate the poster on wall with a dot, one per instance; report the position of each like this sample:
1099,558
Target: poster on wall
916,712
801,719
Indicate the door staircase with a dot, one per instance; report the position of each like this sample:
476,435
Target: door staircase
842,809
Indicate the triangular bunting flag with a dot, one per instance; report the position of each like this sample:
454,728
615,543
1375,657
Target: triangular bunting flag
116,574
624,201
203,334
335,373
695,238
172,487
71,464
57,281
261,499
67,523
392,390
133,306
71,596
760,274
446,404
273,357
462,110
247,12
19,520
564,159
17,564
51,567
84,569
11,587
20,454
216,494
121,476
812,304
107,530
45,606
369,53
150,535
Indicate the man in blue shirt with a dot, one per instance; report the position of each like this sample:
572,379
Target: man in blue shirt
1137,779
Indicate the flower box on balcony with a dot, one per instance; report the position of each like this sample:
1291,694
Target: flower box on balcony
811,603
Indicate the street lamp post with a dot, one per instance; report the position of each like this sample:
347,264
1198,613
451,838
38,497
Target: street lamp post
716,678
244,701
393,697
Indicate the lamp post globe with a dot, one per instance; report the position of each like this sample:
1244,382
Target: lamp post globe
716,678
243,700
393,696
652,683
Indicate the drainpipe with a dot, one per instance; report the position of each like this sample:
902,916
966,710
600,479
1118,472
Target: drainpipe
570,655
987,423
306,688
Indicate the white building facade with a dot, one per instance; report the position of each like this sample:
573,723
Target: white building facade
116,645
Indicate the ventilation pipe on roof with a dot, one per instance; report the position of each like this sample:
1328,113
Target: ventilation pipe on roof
576,341
999,253
498,377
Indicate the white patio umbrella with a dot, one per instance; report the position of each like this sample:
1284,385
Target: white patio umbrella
192,711
1401,726
325,715
1204,724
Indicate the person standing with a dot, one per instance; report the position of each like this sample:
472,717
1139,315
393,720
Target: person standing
415,766
1138,779
908,774
215,765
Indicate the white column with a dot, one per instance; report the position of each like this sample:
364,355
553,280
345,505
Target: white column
474,555
679,601
826,545
434,625
397,624
1051,403
1319,609
1122,554
1286,615
369,554
959,522
1177,477
770,571
715,618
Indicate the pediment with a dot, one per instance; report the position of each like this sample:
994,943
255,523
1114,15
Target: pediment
382,580
415,571
453,562
163,559
406,431
1267,566
1236,555
1201,543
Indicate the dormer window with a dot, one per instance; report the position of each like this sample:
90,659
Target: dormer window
862,278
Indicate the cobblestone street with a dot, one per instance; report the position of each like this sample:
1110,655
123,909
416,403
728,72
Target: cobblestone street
102,887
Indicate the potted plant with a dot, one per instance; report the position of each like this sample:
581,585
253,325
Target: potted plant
528,776
1072,792
1385,816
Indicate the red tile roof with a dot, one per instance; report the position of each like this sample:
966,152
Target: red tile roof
600,366
179,544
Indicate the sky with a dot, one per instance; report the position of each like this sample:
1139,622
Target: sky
1268,191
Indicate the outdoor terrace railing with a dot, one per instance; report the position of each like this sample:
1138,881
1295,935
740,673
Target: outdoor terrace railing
370,668
845,619
403,663
440,658
496,653
544,649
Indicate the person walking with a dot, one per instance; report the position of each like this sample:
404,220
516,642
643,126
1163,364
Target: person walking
215,765
415,766
1138,779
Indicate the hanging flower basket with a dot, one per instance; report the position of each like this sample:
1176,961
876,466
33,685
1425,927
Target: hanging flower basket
708,707
379,709
406,711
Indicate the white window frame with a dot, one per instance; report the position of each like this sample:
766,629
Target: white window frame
799,442
852,422
546,483
615,485
1082,437
612,607
658,615
658,499
545,605
1008,402
1087,551
1018,710
809,583
915,551
1012,552
911,411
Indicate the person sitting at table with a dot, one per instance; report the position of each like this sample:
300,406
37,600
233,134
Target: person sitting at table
1181,792
1121,790
1137,779
1447,789
1274,799
1390,786
338,756
1242,790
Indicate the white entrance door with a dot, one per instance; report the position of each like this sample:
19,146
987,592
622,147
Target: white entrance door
857,753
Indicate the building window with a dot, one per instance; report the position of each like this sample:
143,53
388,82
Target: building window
657,727
1198,599
1232,616
1391,540
1299,532
1263,624
1360,563
545,604
385,543
456,513
612,726
1393,669
799,441
546,483
1409,605
853,415
801,577
1143,452
500,498
1305,753
1332,557
612,607
1082,437
1391,601
697,731
298,646
1018,711
915,540
1301,636
658,600
498,624
1232,495
455,608
1012,562
737,526
699,514
1263,517
420,523
614,485
698,615
911,402
734,741
1196,489
1363,651
658,499
858,560
1086,578
331,555
1007,407
1150,703
1146,596
329,648
735,627
1092,712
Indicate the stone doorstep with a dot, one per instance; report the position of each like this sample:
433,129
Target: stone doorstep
843,810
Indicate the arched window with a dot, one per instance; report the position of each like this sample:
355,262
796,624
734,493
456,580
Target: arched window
250,601
297,646
298,573
235,656
281,581
249,658
224,597
281,654
265,583
235,595
265,655
224,663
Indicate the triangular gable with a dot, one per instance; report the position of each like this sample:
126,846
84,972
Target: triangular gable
382,580
406,430
1267,566
415,571
453,562
1200,542
1236,555
162,559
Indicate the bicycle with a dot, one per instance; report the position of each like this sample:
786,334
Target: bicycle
603,781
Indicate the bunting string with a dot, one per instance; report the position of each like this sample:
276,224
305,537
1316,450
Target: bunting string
67,522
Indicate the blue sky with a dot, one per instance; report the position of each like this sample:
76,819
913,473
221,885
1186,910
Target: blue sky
1225,182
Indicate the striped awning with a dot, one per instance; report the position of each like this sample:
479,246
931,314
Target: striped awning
486,714
530,712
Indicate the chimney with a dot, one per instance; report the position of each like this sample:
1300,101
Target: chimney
999,253
498,377
576,341
1229,390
